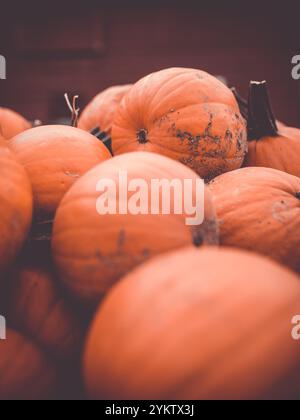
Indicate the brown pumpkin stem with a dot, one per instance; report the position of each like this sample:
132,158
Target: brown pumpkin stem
261,120
243,104
73,109
142,136
102,136
298,195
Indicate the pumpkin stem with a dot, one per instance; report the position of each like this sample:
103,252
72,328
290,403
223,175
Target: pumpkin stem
37,123
261,120
73,109
243,104
298,195
102,136
142,136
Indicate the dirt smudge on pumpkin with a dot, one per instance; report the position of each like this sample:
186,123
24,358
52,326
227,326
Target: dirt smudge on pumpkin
163,118
72,174
197,147
121,239
195,140
279,211
120,257
200,76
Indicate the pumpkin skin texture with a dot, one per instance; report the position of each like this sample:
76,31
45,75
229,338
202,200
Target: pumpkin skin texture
55,157
196,324
92,252
280,152
38,308
101,110
25,372
12,123
15,207
271,144
259,209
185,114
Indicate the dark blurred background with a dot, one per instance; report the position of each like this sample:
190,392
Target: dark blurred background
57,47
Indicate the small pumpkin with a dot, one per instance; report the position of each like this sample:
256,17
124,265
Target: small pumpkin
93,251
15,207
25,371
271,144
101,110
55,157
38,308
185,114
12,123
259,209
197,324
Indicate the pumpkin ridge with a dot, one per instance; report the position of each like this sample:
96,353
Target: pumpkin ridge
177,110
193,103
171,79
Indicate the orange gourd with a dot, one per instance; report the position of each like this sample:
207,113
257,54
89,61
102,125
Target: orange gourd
15,207
101,110
12,123
197,324
271,144
55,157
38,308
259,209
93,251
185,114
25,371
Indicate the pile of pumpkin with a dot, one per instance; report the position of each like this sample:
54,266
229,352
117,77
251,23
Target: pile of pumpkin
144,306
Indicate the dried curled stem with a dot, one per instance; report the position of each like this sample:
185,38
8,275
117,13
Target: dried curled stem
73,109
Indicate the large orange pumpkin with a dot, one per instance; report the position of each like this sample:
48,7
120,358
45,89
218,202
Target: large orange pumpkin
259,209
271,144
25,371
38,308
93,251
15,207
185,114
197,324
100,112
55,157
12,123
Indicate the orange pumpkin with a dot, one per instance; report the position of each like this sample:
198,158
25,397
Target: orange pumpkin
12,123
197,324
185,114
38,308
101,110
25,372
259,209
271,144
55,157
15,207
93,251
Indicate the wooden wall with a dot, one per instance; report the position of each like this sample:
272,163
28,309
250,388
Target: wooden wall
52,49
